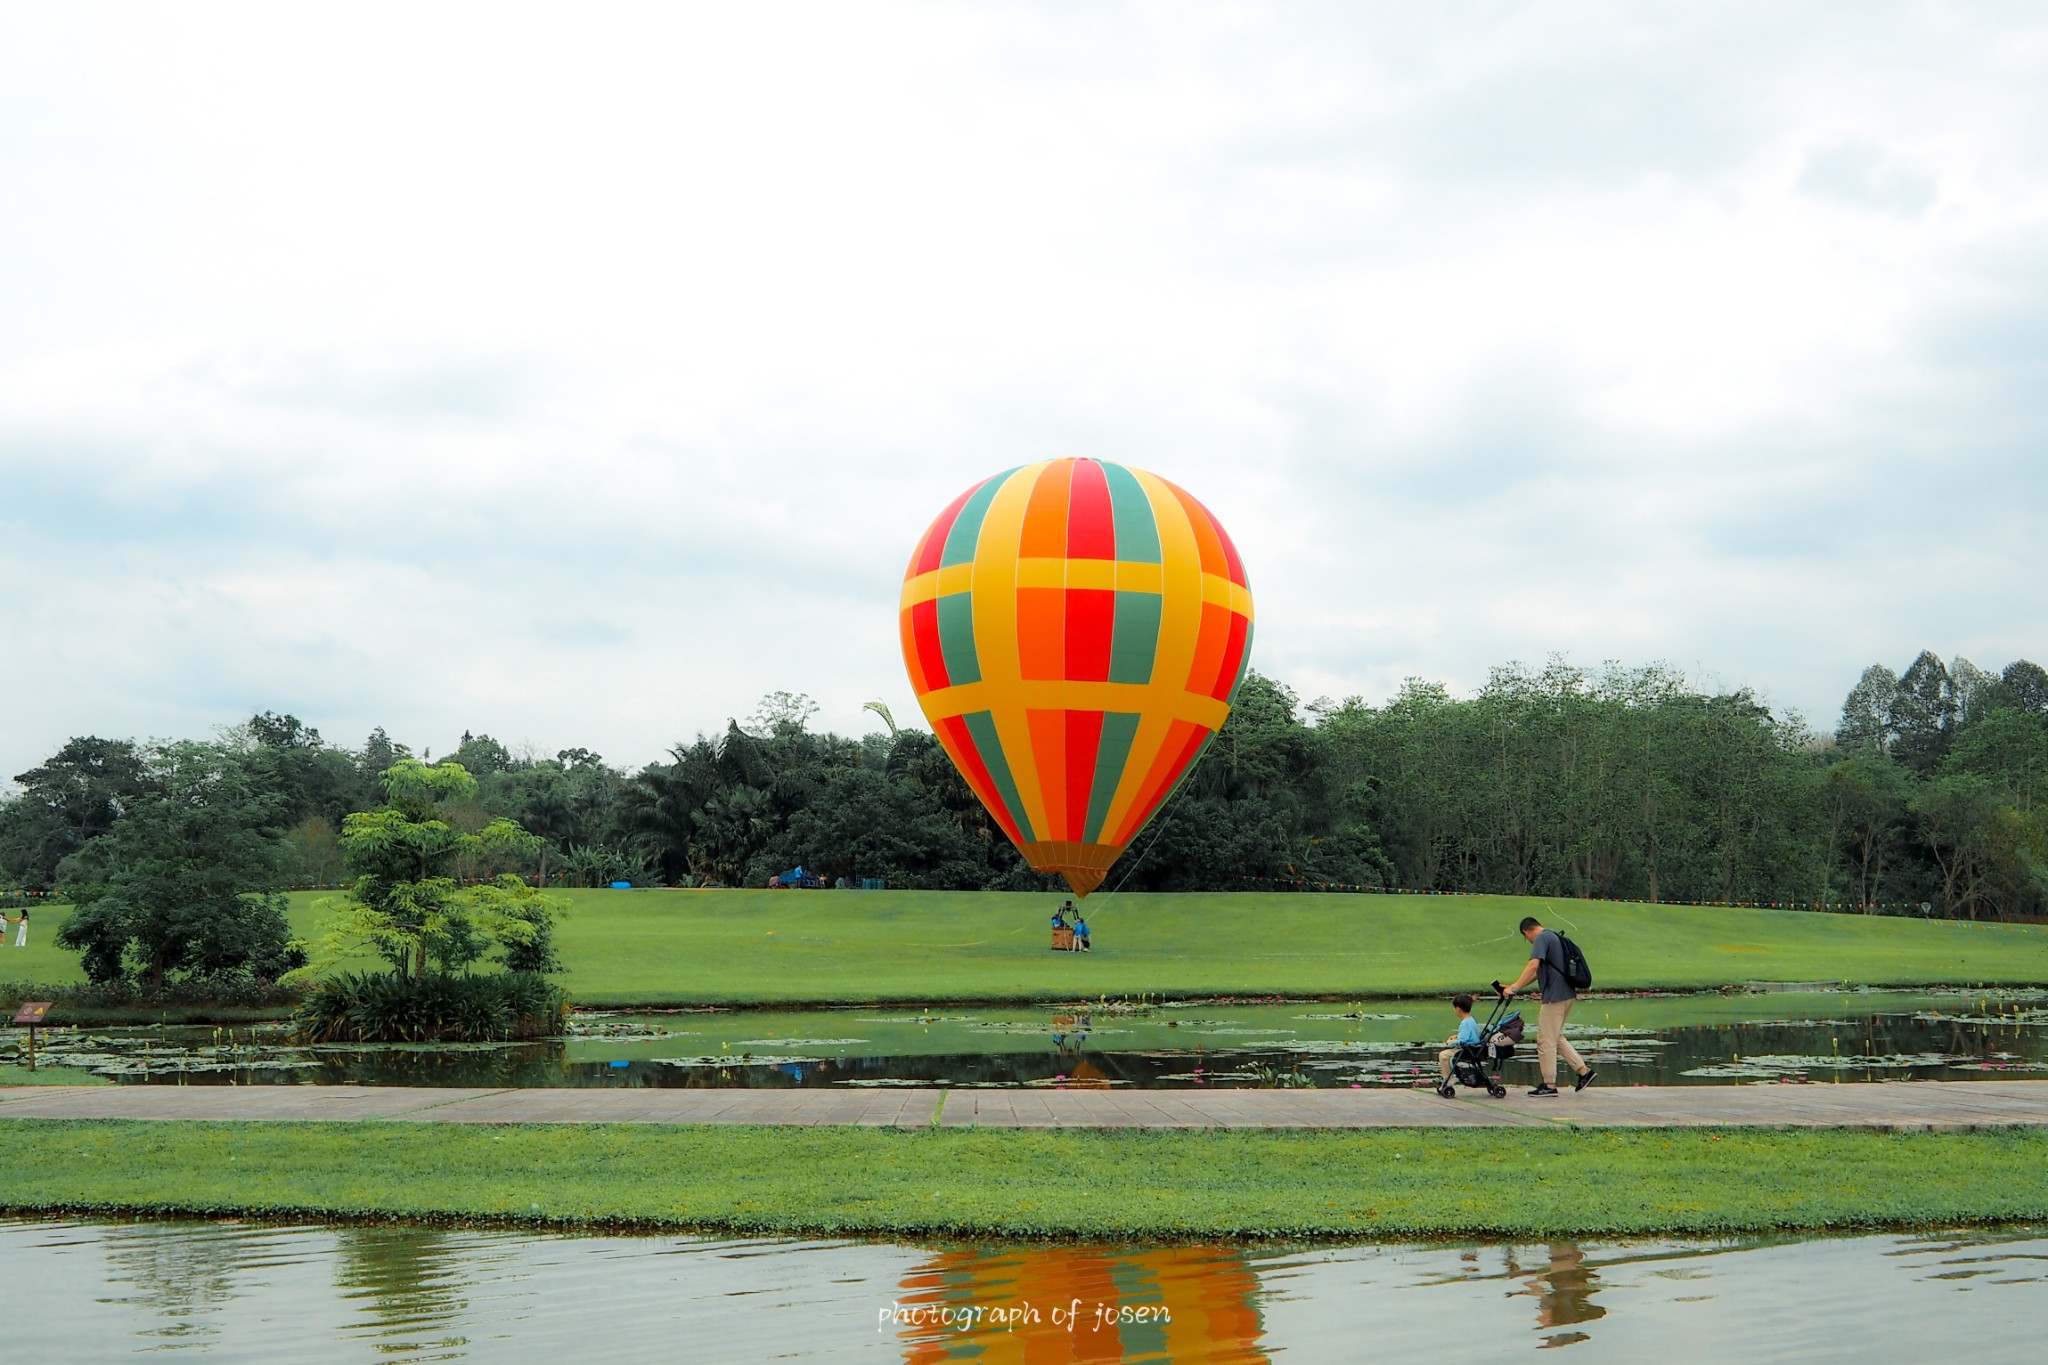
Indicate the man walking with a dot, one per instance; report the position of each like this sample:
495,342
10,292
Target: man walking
1546,964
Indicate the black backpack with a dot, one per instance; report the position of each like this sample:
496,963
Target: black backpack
1575,969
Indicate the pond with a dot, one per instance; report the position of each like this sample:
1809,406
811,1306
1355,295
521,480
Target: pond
234,1291
1707,1039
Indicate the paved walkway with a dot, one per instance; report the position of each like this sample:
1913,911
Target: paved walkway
1891,1106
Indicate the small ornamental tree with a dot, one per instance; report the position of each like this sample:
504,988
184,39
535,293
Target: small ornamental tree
405,904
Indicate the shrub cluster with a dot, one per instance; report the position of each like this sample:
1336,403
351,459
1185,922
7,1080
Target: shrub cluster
378,1007
233,989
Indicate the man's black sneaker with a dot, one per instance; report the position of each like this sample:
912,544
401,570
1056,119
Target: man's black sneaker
1585,1079
1544,1090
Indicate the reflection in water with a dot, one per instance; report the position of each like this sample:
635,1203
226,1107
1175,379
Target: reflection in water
240,1292
1072,1304
1564,1292
409,1283
182,1273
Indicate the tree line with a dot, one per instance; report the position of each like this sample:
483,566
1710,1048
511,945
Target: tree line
1555,781
1626,783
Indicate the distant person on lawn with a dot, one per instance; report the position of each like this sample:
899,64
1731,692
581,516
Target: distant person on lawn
1546,964
1081,934
21,934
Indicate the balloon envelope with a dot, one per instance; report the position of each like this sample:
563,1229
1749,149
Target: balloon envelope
1075,631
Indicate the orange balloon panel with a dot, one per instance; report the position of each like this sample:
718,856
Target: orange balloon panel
1075,631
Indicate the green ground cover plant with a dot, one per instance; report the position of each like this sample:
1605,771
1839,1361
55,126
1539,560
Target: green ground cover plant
358,1007
942,1182
855,947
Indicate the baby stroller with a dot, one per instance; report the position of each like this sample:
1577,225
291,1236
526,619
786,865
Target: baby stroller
1477,1065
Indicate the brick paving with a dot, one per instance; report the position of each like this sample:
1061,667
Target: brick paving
1903,1105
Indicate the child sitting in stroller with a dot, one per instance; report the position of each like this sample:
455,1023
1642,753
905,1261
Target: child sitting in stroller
1477,1049
1466,1036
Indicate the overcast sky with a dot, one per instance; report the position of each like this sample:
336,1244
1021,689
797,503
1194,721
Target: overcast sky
578,375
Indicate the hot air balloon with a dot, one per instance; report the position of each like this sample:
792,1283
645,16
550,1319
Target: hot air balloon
1075,631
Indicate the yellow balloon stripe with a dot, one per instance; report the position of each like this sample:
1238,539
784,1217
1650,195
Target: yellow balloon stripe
937,583
964,699
1075,573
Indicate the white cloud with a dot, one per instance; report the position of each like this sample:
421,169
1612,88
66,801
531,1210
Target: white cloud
579,380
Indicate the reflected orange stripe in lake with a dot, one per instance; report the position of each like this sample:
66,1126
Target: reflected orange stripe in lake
1191,1304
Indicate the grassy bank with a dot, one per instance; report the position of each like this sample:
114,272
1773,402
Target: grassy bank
762,947
49,1075
841,1181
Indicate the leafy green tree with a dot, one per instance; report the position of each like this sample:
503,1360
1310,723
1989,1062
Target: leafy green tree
869,826
2009,748
189,882
1263,802
781,713
481,756
1975,691
377,755
65,803
570,799
34,839
1867,798
1998,848
720,805
1867,712
1960,815
2027,683
318,849
1924,712
1406,767
314,781
406,905
547,811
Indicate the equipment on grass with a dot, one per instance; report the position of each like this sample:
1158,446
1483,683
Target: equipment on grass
1076,631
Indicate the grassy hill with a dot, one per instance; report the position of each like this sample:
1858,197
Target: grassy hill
791,947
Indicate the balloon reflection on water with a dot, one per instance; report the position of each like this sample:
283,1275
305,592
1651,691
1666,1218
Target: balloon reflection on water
1051,1305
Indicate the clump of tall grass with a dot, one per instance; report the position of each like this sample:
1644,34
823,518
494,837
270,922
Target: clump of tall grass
378,1007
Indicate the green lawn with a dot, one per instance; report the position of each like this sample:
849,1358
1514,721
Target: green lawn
698,947
840,1181
48,1075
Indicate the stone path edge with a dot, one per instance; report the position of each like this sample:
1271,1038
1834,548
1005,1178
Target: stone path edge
1880,1106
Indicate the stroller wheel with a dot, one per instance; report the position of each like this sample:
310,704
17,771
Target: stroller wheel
1447,1090
1497,1091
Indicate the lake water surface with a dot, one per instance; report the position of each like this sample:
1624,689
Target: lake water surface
85,1290
1704,1039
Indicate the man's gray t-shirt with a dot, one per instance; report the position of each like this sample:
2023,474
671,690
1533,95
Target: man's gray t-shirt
1545,950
